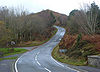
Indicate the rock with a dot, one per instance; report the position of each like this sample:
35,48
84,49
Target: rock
94,60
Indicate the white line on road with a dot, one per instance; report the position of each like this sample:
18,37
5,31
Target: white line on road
63,65
16,65
37,59
57,62
47,69
73,69
16,69
39,63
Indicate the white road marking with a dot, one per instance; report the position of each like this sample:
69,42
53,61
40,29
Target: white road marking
57,62
16,69
37,59
63,65
16,65
73,69
77,70
39,63
47,69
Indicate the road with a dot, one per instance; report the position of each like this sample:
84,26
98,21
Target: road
40,59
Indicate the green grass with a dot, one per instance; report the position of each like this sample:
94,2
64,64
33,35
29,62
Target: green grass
16,51
37,43
7,52
64,59
9,58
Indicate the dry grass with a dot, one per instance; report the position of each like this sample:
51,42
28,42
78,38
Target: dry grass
95,39
68,40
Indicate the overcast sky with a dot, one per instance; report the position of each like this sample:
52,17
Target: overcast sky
61,6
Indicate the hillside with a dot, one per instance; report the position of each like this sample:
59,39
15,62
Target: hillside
82,38
22,27
61,19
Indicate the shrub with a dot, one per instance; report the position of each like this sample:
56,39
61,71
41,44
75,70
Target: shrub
95,39
67,41
80,46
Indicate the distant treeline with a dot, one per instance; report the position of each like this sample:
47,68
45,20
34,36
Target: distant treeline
19,25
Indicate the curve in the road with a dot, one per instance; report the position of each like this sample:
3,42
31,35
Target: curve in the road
40,59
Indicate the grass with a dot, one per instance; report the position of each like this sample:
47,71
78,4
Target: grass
93,66
9,58
64,59
6,52
37,43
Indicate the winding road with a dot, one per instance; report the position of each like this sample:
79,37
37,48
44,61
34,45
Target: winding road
40,59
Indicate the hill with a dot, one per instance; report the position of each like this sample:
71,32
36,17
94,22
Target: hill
49,15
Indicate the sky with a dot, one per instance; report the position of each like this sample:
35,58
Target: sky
61,6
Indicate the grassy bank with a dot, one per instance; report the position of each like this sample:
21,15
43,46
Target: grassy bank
37,43
64,59
78,48
9,58
7,51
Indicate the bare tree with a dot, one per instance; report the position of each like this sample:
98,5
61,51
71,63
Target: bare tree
87,18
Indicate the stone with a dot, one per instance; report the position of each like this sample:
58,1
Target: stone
94,60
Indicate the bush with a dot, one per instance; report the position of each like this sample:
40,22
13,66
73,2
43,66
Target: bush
67,41
82,46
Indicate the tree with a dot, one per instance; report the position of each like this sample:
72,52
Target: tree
87,18
18,25
72,25
4,34
72,13
53,18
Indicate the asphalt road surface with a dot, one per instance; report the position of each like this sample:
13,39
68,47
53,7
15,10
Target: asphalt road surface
40,59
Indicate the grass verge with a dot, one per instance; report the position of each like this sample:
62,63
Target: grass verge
9,58
7,52
64,59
